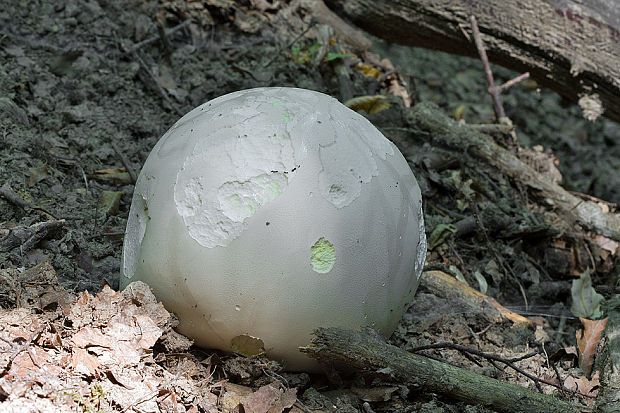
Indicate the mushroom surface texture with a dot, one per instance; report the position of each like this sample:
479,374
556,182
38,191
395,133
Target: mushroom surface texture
266,213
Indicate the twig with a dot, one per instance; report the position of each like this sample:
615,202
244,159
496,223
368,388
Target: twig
106,234
513,81
134,53
153,39
12,197
21,348
495,91
125,161
495,95
498,258
507,362
291,43
160,89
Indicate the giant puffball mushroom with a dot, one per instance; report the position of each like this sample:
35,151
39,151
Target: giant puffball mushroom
269,212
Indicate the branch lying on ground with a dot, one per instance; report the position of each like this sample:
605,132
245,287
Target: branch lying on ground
368,352
428,121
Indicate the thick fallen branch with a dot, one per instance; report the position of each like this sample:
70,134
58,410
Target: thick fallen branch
428,121
368,352
571,46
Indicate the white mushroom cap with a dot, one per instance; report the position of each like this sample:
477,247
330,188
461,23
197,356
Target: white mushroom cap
270,212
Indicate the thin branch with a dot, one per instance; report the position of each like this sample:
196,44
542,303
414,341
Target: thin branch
153,39
125,161
7,193
495,95
492,357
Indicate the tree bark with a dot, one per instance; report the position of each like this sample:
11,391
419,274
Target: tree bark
570,46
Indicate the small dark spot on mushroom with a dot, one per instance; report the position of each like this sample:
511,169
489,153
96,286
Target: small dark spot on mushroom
294,169
318,121
267,223
273,172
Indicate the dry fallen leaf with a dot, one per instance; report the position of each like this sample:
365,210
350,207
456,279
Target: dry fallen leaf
84,363
583,385
370,104
607,244
588,340
269,399
118,176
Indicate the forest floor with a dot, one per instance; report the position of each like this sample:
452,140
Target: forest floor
86,90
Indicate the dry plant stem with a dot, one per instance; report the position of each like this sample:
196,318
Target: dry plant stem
153,39
507,362
125,161
24,346
493,91
12,197
513,81
507,270
369,353
551,39
158,86
292,42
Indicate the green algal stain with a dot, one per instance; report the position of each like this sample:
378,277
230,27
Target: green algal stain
323,256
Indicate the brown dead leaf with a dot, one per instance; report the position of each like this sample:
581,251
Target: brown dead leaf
89,337
397,89
370,104
84,363
588,340
583,385
233,393
116,176
36,175
34,361
269,399
607,244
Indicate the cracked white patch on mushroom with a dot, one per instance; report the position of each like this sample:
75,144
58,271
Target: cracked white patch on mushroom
246,169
